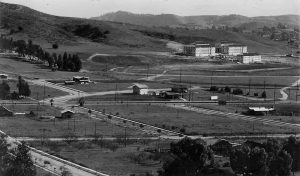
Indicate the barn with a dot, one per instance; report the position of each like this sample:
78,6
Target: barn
139,89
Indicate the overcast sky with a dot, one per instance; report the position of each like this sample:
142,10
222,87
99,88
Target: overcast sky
91,8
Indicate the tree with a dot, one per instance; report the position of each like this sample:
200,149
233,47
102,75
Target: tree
213,88
237,91
227,89
81,101
55,46
22,164
23,87
239,159
59,62
283,164
4,90
190,157
4,156
65,61
292,146
264,94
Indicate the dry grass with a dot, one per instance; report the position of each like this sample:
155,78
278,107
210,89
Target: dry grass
167,117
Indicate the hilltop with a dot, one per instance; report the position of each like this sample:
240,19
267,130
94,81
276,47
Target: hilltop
201,20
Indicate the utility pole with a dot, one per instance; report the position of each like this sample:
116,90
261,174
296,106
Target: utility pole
95,131
116,93
180,76
125,137
211,78
297,91
147,70
74,124
274,96
44,94
249,89
265,89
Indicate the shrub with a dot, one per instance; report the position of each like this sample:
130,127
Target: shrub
182,130
222,102
237,91
264,94
159,130
55,46
227,89
213,88
109,116
141,126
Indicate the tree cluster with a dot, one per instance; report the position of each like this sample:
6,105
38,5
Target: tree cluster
23,87
189,157
15,162
4,90
272,158
66,62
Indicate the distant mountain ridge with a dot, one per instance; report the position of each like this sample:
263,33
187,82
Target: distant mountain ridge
202,20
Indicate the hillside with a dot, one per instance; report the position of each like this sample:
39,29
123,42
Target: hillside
88,36
24,23
204,20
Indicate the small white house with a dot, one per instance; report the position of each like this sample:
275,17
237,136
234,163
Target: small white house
140,89
214,98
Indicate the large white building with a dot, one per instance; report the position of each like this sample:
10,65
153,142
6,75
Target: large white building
249,58
232,49
199,50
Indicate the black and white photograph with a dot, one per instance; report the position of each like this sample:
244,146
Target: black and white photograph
149,88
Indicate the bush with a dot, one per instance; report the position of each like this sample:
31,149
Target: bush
222,102
182,130
55,46
227,89
237,91
141,126
213,88
264,94
109,116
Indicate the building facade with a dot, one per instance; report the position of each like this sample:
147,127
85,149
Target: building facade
249,58
199,50
140,89
231,49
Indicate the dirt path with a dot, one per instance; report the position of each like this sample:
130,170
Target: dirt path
284,94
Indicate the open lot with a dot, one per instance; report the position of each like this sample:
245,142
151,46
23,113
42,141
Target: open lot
110,157
79,126
191,122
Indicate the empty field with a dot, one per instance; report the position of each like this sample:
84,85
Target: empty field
110,157
192,122
79,126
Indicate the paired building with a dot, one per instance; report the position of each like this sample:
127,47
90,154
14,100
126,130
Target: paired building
235,51
203,50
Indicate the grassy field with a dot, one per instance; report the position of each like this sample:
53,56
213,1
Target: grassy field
192,122
80,126
110,157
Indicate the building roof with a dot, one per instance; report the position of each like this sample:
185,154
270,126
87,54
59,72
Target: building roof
250,54
141,86
261,109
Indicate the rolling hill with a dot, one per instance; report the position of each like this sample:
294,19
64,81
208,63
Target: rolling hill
204,20
88,36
